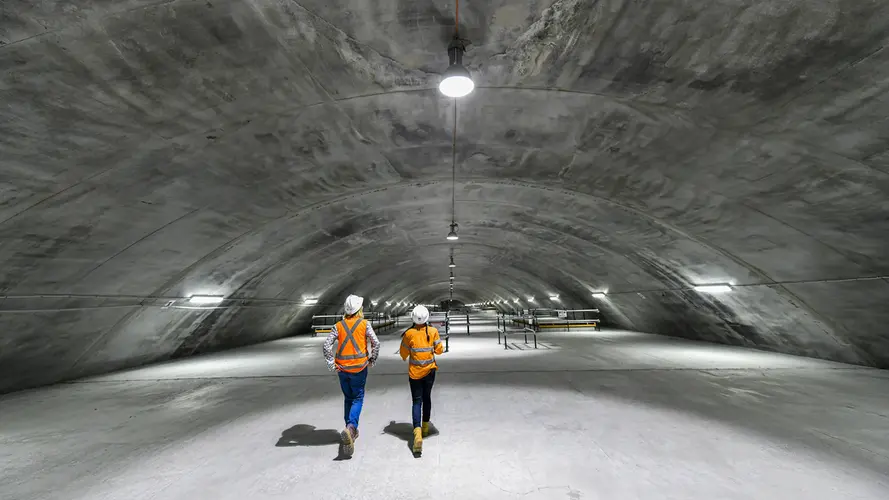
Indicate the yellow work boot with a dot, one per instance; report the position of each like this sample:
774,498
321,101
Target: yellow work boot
418,441
425,429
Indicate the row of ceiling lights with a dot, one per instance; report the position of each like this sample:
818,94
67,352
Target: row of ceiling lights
456,82
205,300
713,289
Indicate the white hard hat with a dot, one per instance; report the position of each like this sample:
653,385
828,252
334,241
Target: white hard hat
420,315
353,304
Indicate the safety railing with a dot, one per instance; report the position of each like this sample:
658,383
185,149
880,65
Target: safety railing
323,323
571,318
525,331
447,320
567,319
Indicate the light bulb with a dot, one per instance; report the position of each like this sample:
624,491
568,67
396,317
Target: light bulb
456,85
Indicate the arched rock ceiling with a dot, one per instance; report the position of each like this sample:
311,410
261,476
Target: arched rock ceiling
274,149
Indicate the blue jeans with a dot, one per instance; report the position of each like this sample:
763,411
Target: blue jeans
421,394
352,385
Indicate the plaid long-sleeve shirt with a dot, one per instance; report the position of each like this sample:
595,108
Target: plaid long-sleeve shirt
330,344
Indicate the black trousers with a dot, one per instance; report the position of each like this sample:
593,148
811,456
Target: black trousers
421,393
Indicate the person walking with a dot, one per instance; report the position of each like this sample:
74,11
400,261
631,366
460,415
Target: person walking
420,344
352,336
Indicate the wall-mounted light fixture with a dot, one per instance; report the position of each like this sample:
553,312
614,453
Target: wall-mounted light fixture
310,302
713,288
600,295
206,299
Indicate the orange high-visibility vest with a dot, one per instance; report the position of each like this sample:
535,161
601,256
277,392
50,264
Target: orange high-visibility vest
421,345
352,353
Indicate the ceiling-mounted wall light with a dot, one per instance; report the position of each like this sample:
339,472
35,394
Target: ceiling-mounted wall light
554,297
206,299
310,302
600,295
713,288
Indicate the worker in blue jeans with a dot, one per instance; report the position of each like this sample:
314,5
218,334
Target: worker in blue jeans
352,336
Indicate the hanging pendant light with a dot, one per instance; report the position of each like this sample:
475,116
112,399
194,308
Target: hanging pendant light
453,234
456,80
452,265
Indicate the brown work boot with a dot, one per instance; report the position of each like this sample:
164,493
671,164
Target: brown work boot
347,437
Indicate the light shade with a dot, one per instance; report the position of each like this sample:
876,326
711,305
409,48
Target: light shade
713,288
456,80
453,234
206,299
452,265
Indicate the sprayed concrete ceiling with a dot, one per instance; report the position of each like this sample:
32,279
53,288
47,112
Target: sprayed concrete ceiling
276,150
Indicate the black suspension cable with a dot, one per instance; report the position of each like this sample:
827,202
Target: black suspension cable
454,169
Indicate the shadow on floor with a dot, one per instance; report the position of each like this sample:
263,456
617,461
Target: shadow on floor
405,432
402,430
308,435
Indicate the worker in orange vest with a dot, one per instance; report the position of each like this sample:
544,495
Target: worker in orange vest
420,344
352,336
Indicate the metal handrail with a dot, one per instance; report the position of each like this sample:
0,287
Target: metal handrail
377,321
524,332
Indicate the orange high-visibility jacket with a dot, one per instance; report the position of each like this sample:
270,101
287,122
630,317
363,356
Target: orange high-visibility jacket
351,356
421,344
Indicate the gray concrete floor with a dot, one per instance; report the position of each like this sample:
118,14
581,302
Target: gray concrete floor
610,415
